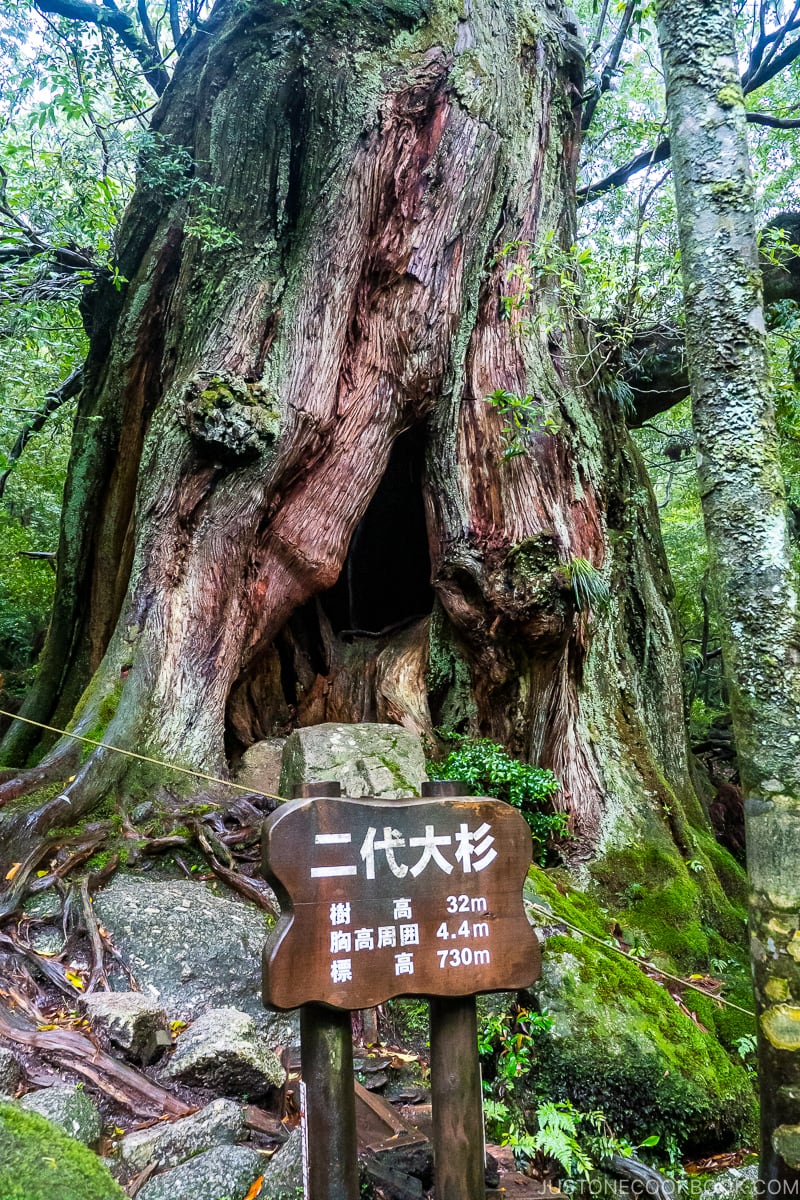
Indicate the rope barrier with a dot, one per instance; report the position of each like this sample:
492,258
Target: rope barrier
77,737
641,962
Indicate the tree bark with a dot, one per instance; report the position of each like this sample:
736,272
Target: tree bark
314,317
746,527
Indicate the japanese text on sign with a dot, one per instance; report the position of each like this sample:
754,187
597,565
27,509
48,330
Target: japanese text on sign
386,898
473,851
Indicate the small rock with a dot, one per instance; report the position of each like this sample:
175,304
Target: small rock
737,1183
221,1123
9,1072
225,1173
283,1175
69,1107
135,1022
260,768
222,1050
367,760
142,812
46,904
47,940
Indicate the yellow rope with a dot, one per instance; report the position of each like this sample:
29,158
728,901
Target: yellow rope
641,962
144,757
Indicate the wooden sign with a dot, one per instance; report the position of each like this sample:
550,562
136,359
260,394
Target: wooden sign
384,898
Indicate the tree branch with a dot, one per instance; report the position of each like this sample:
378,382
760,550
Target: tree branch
146,24
655,366
111,17
771,122
174,21
773,66
662,152
761,68
53,401
757,68
648,158
609,66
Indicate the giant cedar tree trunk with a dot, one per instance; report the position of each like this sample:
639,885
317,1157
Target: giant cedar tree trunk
744,511
283,439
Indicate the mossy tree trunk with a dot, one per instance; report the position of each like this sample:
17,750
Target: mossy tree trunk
745,520
288,499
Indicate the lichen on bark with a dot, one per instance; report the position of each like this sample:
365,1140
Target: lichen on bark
744,513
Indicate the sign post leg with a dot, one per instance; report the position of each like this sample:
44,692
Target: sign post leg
458,1162
326,1055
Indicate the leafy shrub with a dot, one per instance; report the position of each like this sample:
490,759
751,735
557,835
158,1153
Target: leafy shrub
490,770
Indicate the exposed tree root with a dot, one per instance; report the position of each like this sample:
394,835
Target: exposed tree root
57,766
34,981
228,841
243,884
77,1052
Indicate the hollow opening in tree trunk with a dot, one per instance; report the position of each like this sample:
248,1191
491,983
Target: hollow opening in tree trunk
323,665
385,581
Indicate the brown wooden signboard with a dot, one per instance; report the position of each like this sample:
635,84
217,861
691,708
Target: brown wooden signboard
386,898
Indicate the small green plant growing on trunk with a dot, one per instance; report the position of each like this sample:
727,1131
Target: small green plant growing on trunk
525,418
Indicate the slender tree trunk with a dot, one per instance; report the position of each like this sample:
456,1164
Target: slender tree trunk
745,520
319,257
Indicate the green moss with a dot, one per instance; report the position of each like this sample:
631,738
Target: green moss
676,910
447,678
374,19
100,859
727,1025
106,711
31,800
726,190
410,1021
730,95
106,809
552,890
619,1041
39,1162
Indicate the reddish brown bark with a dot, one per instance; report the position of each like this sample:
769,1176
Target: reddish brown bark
378,184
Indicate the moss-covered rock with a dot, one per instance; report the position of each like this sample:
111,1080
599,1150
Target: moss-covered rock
681,910
619,1042
39,1162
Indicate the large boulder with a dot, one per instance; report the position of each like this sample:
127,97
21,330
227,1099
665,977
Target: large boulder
190,948
367,760
132,1020
39,1162
166,1145
222,1050
67,1106
618,1041
225,1173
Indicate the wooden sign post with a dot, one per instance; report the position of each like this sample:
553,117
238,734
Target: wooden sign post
382,898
